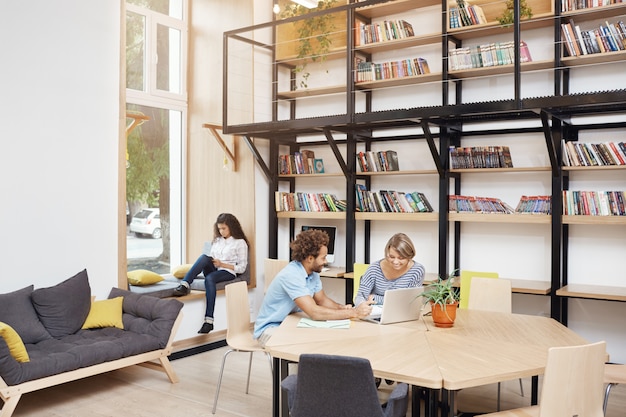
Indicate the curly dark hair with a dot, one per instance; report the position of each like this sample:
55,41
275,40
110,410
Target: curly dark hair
308,243
233,224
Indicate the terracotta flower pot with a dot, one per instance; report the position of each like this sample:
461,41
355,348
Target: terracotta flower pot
444,317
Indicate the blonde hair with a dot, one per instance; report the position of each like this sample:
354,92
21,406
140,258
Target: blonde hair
402,244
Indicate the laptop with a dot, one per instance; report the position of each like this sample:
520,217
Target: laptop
402,304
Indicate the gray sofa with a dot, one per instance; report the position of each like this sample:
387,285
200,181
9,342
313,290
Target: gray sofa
49,322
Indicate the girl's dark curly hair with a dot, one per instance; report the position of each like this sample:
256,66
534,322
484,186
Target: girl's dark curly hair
233,224
308,243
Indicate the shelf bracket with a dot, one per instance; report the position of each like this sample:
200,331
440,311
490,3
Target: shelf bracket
138,119
227,152
431,145
258,157
336,151
552,153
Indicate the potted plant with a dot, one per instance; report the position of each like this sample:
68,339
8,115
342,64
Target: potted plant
443,297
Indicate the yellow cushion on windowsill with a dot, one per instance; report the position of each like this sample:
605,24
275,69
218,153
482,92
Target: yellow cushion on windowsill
14,342
181,270
105,313
143,277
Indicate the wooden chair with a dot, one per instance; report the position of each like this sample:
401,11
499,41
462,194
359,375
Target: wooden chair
613,374
490,294
238,331
573,384
466,278
272,267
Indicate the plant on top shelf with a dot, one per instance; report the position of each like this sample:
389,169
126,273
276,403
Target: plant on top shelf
314,40
506,18
443,297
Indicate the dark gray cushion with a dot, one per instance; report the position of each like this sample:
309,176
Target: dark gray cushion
17,311
64,307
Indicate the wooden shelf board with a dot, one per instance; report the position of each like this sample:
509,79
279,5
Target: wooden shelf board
594,220
414,217
394,7
396,82
413,41
594,168
492,170
597,292
501,69
539,20
527,286
403,172
500,218
339,215
311,92
591,59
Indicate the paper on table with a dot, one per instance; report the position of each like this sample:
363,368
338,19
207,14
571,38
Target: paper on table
324,324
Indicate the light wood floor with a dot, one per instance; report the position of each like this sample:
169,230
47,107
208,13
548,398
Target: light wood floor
138,392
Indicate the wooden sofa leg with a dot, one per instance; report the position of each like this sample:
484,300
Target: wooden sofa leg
169,370
9,405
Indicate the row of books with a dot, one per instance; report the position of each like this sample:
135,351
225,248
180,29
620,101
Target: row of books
466,15
593,154
370,161
300,201
472,204
534,204
480,157
389,201
594,203
302,162
486,55
605,38
569,5
383,31
370,71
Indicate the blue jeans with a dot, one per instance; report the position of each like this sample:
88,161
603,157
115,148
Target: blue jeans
212,276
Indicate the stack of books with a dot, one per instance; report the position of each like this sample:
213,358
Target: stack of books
383,31
370,161
371,71
389,201
486,55
534,204
480,157
472,204
593,154
466,14
300,201
605,38
594,203
302,162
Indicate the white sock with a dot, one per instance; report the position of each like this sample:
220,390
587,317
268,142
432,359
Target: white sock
208,320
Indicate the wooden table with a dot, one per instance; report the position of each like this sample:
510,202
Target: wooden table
482,348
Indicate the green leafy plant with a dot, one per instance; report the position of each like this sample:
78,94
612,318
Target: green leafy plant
314,40
506,18
441,292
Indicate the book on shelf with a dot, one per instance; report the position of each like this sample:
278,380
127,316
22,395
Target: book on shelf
301,201
609,37
385,31
535,204
391,201
473,204
480,157
594,203
571,5
486,55
371,161
410,67
301,162
593,154
465,14
318,166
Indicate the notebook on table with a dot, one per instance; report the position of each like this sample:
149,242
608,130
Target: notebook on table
402,304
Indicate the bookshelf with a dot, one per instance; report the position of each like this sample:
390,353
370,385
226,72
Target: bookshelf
355,113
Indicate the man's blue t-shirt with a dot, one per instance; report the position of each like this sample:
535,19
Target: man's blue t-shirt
290,283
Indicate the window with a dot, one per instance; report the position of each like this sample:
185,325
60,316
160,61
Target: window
156,39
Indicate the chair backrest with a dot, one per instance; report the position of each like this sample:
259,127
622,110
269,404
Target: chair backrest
573,381
490,294
237,310
358,271
466,278
272,267
331,385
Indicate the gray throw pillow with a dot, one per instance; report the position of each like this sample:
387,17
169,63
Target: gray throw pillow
64,307
16,310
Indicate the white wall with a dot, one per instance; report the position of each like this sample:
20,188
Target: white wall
59,127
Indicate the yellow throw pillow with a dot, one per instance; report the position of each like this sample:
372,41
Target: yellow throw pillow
181,270
14,342
105,313
143,277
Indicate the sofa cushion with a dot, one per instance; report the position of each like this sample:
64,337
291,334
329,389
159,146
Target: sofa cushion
143,277
181,270
64,307
16,310
14,343
105,313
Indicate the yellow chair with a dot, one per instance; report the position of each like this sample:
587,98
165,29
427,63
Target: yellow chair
466,277
358,271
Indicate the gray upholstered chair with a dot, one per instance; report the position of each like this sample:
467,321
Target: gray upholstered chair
331,385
